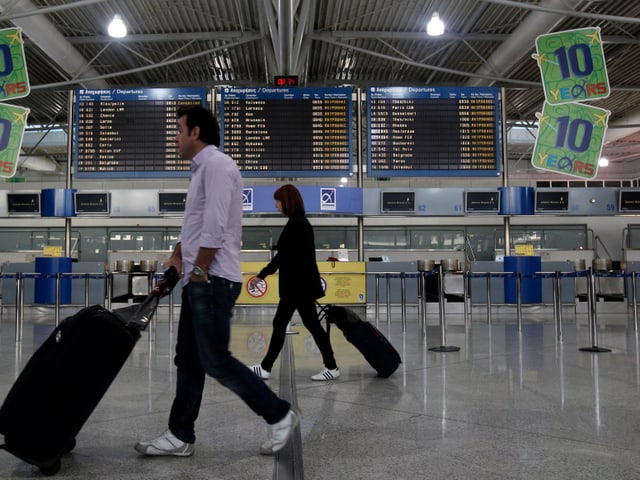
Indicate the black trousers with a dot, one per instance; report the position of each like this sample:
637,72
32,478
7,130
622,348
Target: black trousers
309,315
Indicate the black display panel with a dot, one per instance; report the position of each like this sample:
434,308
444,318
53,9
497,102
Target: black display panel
485,202
397,202
629,201
172,202
92,203
552,201
23,203
282,132
432,131
130,132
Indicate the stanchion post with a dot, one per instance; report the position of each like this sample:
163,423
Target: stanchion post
403,294
388,278
420,295
443,324
57,308
86,289
108,278
488,298
377,300
519,299
593,328
557,306
19,305
465,294
634,300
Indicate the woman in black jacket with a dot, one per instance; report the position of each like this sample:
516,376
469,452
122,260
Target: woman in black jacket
299,284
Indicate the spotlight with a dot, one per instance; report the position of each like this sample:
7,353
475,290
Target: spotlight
435,27
117,28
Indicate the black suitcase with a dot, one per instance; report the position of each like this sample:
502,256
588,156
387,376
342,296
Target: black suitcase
68,375
375,347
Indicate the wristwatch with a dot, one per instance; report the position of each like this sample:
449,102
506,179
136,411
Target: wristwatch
198,272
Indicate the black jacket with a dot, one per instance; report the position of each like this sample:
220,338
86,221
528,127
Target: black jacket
296,261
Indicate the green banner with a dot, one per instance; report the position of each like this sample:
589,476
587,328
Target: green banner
570,139
572,66
14,81
12,122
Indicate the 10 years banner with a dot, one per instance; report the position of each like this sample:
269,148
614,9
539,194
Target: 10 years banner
571,134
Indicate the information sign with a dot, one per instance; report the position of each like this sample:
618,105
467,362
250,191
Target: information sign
281,132
432,131
131,132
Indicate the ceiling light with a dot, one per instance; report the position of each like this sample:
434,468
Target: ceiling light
117,28
603,162
435,27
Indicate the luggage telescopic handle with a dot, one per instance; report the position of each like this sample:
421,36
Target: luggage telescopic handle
163,287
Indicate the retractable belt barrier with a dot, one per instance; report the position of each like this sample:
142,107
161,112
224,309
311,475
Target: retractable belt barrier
20,277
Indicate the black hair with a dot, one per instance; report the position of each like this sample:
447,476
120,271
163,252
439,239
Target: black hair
198,116
290,199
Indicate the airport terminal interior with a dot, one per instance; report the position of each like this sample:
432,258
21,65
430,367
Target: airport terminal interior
474,200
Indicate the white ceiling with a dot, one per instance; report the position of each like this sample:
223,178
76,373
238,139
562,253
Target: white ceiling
325,42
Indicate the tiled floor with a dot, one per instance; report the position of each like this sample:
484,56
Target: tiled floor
509,404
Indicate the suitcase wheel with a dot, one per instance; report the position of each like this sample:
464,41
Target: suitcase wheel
71,446
51,469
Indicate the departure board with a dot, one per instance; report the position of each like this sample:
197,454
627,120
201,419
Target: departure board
288,132
130,132
433,131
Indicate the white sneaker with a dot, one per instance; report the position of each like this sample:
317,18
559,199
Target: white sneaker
280,432
326,374
260,372
165,444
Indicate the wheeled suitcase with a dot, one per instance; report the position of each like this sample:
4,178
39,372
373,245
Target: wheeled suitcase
375,347
68,375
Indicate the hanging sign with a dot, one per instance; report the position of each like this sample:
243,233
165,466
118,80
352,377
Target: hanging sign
572,65
14,81
570,139
13,119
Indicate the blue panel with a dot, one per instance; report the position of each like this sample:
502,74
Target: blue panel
57,202
333,200
530,288
45,285
517,201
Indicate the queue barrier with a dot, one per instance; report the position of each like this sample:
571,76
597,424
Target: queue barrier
58,277
387,276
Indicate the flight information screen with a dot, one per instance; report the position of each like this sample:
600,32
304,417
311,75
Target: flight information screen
424,131
130,132
281,132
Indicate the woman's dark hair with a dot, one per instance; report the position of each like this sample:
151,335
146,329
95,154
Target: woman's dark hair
198,116
290,199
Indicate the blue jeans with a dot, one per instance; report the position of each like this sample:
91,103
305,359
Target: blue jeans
202,348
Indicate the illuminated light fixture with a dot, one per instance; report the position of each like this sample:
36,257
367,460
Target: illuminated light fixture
117,28
435,27
603,162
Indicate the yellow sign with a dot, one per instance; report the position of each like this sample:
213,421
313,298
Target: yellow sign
52,251
343,282
524,250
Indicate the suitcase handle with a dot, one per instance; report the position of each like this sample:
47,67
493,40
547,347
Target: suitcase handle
138,317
